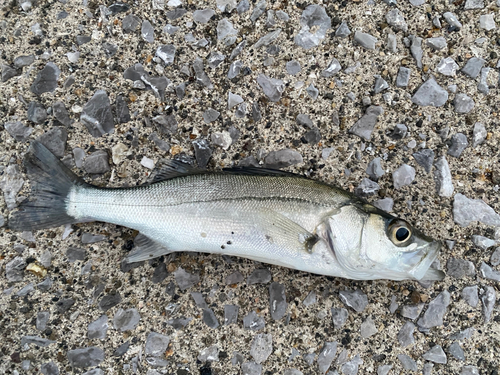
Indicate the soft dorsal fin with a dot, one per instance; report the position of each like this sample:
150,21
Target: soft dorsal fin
170,168
255,171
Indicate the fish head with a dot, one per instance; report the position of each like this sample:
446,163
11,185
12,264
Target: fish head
371,244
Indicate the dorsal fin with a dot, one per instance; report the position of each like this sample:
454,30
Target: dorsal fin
255,171
170,168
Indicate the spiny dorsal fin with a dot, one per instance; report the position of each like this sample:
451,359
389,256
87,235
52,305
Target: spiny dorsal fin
170,168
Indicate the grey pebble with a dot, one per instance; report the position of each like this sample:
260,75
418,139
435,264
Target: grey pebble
393,306
238,49
352,367
96,371
412,311
226,33
251,368
202,152
403,77
343,30
407,362
489,273
396,19
356,299
64,305
109,301
312,136
61,113
473,67
469,370
85,357
166,52
283,16
368,327
293,67
96,114
460,268
456,351
374,169
437,43
365,40
403,176
160,273
42,318
458,143
83,39
109,49
443,178
312,91
416,50
258,10
309,358
210,354
487,21
333,68
11,183
326,356
447,67
310,299
156,344
467,210
488,299
261,347
36,112
24,60
199,300
363,128
384,369
282,158
277,300
185,279
313,16
304,120
253,321
479,134
400,131
179,323
463,103
18,131
430,94
482,242
233,100
73,254
435,354
97,163
98,328
428,366
366,188
424,158
201,76
380,85
203,15
234,278
46,79
44,285
55,140
49,368
474,4
267,39
147,31
405,334
243,6
292,371
452,20
230,314
26,290
166,124
272,88
384,204
234,69
35,340
209,318
126,320
434,314
495,257
392,43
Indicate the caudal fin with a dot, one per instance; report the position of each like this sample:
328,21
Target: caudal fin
51,182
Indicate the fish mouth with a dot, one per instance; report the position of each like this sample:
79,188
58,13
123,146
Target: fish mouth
423,268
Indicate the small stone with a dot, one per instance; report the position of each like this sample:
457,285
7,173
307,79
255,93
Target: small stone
85,357
222,139
273,88
226,33
259,276
434,314
98,328
256,114
253,321
339,317
210,354
458,145
96,114
479,135
363,128
473,67
277,300
210,319
412,311
91,238
304,120
399,132
474,4
430,94
482,242
283,16
495,257
326,356
73,254
55,140
179,323
467,210
442,178
199,300
470,295
122,349
109,301
230,314
251,368
46,79
396,19
366,188
23,60
365,40
343,30
243,7
81,40
14,270
405,335
237,50
380,85
469,370
293,67
489,273
267,39
234,278
453,21
18,131
262,347
312,91
126,320
49,368
166,124
356,299
384,369
203,16
437,43
463,103
202,152
407,362
37,113
233,100
147,31
425,158
185,280
403,176
166,52
403,77
392,43
130,23
435,354
234,69
42,318
488,299
384,204
487,21
201,76
156,344
456,351
368,328
313,17
374,169
310,299
35,340
258,10
61,113
160,273
447,67
282,158
351,367
97,162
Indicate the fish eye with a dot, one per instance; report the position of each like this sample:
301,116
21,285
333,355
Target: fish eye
399,232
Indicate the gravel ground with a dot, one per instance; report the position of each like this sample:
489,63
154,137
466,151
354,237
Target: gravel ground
69,304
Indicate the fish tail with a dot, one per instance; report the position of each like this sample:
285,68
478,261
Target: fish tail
51,184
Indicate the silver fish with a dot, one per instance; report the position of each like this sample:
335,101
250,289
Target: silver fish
265,215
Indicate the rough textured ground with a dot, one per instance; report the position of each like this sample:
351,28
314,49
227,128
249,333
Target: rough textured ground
94,280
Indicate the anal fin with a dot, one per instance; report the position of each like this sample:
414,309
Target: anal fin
145,249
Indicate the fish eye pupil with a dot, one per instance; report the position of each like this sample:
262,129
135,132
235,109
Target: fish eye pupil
402,234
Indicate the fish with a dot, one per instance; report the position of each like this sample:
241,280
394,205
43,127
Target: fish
266,215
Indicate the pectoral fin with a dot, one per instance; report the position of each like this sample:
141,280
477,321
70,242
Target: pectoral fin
279,228
145,249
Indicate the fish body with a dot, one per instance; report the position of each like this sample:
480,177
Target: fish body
268,216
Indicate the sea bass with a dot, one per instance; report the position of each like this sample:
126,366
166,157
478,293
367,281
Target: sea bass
265,215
